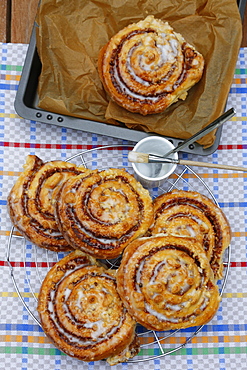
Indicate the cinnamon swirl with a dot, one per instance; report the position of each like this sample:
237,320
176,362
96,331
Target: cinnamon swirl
101,212
147,66
188,213
31,201
166,282
81,312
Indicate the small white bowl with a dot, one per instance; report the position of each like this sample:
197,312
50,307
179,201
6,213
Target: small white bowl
153,175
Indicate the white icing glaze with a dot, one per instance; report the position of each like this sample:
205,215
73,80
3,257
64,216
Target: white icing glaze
100,328
67,294
159,315
168,51
166,48
156,270
80,296
163,316
97,328
127,91
138,276
191,231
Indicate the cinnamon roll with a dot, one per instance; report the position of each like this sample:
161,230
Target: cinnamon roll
166,283
31,201
102,212
188,213
81,312
147,66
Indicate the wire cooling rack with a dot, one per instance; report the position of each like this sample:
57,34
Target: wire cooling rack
28,274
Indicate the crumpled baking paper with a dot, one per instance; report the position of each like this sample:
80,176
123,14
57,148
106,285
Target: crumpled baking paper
71,33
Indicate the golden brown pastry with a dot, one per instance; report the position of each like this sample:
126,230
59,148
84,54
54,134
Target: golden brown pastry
188,221
166,282
102,212
81,312
31,201
147,66
188,213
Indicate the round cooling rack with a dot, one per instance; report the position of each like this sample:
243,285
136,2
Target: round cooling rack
29,264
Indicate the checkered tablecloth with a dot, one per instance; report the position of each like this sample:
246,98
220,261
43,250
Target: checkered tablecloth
220,345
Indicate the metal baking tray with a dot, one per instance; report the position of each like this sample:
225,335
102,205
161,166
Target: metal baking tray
26,105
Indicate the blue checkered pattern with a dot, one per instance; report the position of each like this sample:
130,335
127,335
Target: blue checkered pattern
219,345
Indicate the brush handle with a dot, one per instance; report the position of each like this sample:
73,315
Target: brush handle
212,165
152,158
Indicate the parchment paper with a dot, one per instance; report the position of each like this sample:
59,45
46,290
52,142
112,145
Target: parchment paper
71,33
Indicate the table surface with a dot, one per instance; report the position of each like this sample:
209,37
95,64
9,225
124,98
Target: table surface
221,344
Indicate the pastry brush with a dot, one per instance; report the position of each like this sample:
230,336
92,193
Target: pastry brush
137,157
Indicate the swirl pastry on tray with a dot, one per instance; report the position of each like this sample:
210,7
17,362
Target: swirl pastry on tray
81,312
166,282
102,212
31,201
147,66
188,213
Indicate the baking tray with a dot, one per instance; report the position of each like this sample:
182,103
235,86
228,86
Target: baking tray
26,105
